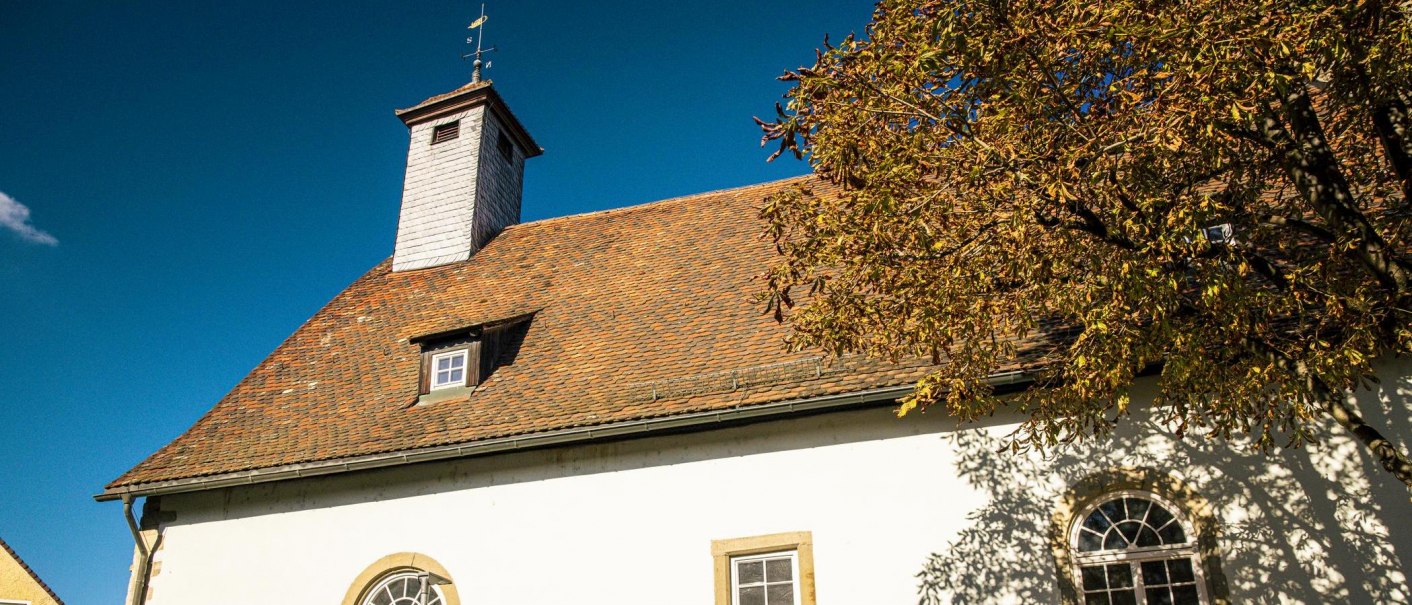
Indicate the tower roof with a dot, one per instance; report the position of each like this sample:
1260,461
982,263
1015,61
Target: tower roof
469,95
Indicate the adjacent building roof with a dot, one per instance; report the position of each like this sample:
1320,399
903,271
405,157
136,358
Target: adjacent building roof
27,570
641,312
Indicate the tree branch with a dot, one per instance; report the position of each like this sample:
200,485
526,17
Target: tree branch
1311,165
1265,268
1392,123
1336,406
1300,225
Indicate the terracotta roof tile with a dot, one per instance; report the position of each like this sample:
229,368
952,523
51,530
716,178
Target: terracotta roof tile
622,298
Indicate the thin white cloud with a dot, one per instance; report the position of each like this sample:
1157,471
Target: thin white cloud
15,217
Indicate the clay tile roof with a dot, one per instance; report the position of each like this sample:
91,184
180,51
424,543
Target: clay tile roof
26,567
628,304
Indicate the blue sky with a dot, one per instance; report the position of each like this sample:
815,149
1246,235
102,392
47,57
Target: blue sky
201,177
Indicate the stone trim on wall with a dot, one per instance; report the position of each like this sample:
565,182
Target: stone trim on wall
1086,493
802,542
399,562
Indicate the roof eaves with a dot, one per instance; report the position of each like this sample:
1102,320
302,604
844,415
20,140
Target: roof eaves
568,436
703,420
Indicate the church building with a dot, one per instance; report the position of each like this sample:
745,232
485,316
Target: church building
591,409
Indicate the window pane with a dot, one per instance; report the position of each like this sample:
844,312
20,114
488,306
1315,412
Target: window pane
1089,541
1130,530
1114,541
1181,570
1093,578
781,594
443,363
752,595
1147,537
457,376
1185,595
750,572
1114,510
1125,597
1137,508
1120,576
458,361
779,570
1097,522
1172,534
1154,572
1158,516
1159,596
1097,598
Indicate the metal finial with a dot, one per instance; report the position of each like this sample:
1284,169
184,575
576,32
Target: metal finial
477,64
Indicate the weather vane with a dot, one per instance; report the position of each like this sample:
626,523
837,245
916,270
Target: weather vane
477,39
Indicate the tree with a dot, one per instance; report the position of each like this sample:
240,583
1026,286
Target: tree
1215,192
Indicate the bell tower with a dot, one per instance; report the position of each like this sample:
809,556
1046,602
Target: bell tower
465,173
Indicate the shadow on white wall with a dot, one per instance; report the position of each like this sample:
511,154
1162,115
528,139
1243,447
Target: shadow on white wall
1322,525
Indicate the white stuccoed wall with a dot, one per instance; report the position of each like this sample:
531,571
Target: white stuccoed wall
457,194
632,522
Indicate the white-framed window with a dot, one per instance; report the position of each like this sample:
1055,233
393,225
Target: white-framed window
765,579
448,369
402,588
1133,548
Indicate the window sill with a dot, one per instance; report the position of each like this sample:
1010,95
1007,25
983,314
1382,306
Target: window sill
440,395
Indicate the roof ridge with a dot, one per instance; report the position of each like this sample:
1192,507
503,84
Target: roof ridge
30,571
661,202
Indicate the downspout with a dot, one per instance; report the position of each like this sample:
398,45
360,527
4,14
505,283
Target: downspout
144,556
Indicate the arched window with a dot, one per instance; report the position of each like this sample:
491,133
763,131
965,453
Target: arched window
403,588
397,579
1133,548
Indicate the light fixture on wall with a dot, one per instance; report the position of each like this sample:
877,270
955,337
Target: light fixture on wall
429,579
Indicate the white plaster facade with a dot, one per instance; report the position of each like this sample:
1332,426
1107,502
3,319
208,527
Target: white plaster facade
892,505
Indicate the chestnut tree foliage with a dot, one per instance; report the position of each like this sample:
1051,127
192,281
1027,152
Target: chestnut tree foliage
1215,192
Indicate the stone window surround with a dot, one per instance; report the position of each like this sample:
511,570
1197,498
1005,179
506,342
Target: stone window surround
394,563
801,542
1087,492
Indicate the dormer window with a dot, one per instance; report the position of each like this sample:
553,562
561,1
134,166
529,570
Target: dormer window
456,361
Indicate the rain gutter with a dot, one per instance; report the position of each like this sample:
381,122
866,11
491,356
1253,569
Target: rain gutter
571,436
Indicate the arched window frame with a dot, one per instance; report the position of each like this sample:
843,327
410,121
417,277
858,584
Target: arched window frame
437,597
397,564
1091,491
1135,556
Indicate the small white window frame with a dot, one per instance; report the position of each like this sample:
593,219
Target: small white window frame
1135,556
793,574
465,356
